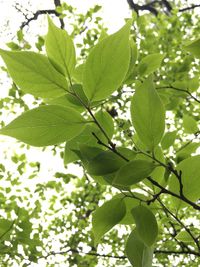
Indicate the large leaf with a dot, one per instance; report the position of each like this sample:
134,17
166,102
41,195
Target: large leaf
107,216
194,48
107,65
146,224
148,114
46,125
60,49
105,163
138,254
133,172
150,63
34,74
190,178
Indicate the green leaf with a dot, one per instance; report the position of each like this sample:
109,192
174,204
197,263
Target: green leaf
150,63
34,74
133,172
60,49
189,124
46,125
184,236
105,163
106,121
194,48
106,217
138,254
78,73
168,139
146,224
133,59
148,114
190,178
107,65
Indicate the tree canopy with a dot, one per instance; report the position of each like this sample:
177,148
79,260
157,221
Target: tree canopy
120,109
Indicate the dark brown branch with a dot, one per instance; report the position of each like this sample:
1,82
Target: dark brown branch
36,15
188,8
149,7
44,12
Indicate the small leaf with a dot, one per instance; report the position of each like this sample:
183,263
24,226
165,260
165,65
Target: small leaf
150,63
105,163
138,254
168,139
194,48
148,114
60,49
184,236
106,121
146,225
133,172
34,74
107,216
46,125
107,65
189,124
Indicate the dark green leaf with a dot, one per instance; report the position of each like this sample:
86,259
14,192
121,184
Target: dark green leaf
146,224
138,254
133,172
107,216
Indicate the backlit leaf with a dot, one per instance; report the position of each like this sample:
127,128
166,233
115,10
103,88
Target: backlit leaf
107,65
34,74
46,125
148,114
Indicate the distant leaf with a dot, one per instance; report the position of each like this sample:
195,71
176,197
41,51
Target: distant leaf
107,65
105,163
189,124
184,236
148,114
133,172
34,74
190,178
146,225
60,49
194,48
137,252
150,63
46,125
168,139
106,217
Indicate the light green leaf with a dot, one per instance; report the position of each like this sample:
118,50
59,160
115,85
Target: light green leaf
78,73
138,254
194,47
168,139
105,163
184,236
34,74
133,172
46,125
107,216
107,65
150,63
190,178
189,124
60,49
133,59
148,114
146,224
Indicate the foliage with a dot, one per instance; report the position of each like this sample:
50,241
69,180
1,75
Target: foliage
127,109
